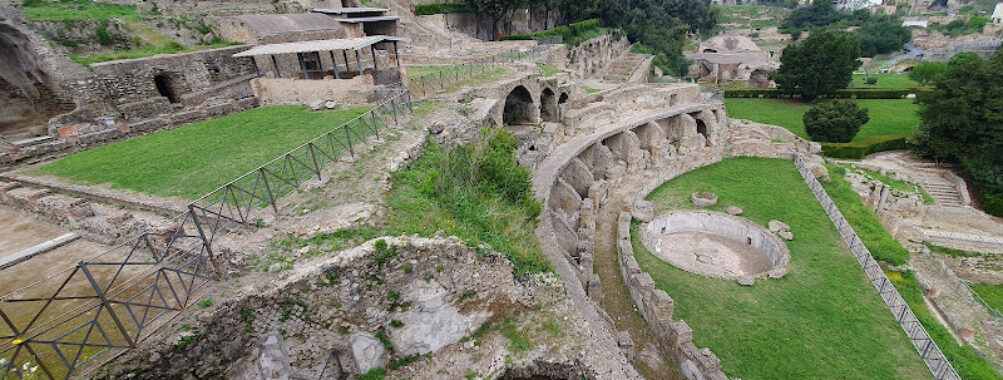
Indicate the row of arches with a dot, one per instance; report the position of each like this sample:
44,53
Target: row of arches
520,108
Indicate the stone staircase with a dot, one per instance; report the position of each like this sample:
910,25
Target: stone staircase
622,69
941,190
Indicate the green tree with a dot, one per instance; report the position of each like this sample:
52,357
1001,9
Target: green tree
926,72
962,121
881,35
835,122
822,63
815,14
493,9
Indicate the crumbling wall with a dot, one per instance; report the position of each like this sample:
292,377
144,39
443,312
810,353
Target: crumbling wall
593,57
439,290
519,21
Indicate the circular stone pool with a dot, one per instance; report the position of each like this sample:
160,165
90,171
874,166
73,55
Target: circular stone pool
714,244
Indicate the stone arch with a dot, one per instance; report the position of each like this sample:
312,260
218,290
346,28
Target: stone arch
702,130
548,106
165,87
563,99
519,107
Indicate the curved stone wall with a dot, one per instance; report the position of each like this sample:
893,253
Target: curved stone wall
730,227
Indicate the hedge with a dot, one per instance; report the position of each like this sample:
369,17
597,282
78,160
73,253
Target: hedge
441,8
573,34
848,93
860,149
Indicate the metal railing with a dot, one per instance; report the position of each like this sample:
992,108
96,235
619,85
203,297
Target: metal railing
928,350
450,75
56,325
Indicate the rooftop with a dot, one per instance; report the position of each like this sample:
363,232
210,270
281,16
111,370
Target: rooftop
312,46
356,20
272,24
346,11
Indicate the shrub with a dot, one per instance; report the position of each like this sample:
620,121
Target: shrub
927,71
441,8
572,34
849,93
871,81
838,121
860,149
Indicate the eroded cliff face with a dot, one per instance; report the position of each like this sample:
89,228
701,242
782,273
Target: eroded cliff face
27,97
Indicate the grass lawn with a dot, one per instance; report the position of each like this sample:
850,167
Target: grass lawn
78,10
992,294
823,320
448,71
548,71
884,81
189,161
889,117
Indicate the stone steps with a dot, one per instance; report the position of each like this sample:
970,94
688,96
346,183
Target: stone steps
622,69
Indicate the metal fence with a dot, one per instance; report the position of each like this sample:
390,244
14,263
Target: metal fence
56,325
450,75
928,350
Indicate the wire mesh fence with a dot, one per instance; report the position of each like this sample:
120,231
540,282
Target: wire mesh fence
959,284
447,76
111,301
928,350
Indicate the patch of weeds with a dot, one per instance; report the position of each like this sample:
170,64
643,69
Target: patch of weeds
374,374
398,306
468,294
382,336
185,341
331,278
394,295
478,334
342,330
439,268
248,316
407,269
404,362
958,253
383,253
552,328
396,324
205,304
518,342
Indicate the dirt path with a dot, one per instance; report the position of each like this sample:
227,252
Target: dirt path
652,361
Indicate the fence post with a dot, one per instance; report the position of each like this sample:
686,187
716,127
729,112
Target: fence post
268,189
314,156
376,123
205,243
105,304
348,136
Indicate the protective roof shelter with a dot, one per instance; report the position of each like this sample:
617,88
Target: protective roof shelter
318,46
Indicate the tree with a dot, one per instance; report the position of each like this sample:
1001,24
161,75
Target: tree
818,13
926,72
962,121
882,34
493,9
822,63
835,122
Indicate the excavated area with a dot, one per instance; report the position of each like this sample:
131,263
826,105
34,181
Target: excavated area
714,244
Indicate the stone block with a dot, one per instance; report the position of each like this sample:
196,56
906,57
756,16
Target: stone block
8,186
643,211
148,125
778,226
68,131
679,333
626,345
662,305
703,199
594,289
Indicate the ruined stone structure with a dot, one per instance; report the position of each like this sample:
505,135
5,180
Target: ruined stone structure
733,58
520,21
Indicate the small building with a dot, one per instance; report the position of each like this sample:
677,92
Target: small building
998,15
732,58
341,70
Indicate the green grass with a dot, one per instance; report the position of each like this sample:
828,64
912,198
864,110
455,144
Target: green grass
190,161
884,81
590,90
992,294
953,252
549,71
897,184
146,50
79,10
750,16
889,117
478,193
823,320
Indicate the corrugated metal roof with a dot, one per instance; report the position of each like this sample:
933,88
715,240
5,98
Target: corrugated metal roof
274,24
343,11
356,20
312,46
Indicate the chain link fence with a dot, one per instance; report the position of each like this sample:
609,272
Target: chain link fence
928,350
53,327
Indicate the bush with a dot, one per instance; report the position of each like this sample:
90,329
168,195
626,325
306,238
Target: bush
838,121
927,71
848,93
871,81
572,34
441,8
993,204
860,149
